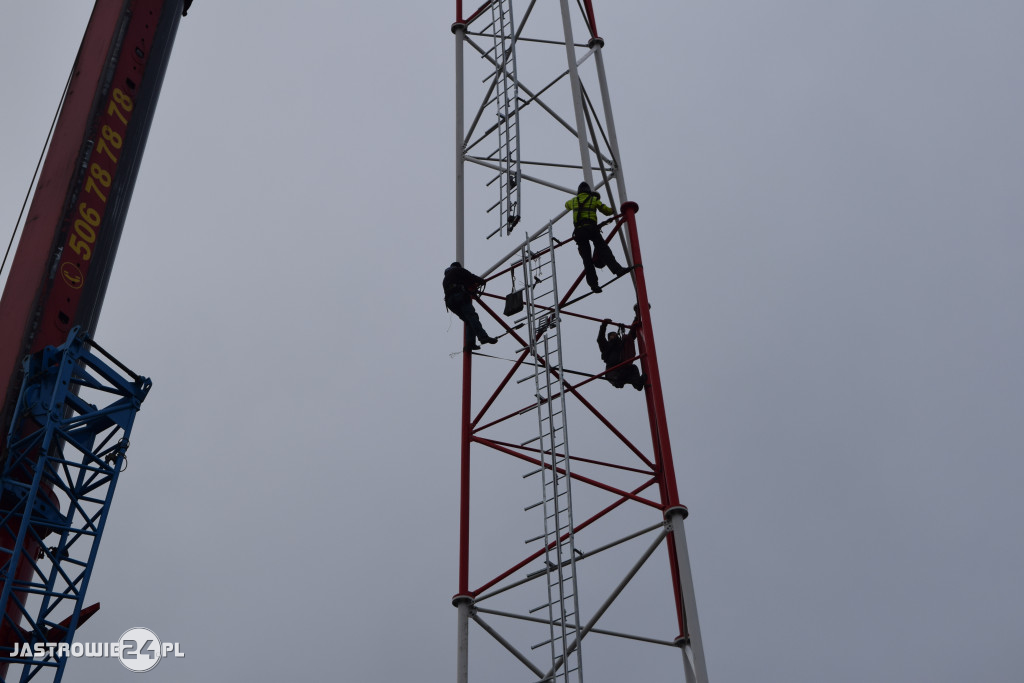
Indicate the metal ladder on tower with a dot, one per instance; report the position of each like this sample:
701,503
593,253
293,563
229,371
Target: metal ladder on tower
562,603
506,96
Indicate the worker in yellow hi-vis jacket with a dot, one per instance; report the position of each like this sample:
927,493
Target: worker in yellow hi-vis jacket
585,206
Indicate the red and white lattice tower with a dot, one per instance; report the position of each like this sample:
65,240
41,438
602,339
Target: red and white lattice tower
567,480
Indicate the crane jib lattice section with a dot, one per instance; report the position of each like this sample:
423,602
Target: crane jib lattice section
65,451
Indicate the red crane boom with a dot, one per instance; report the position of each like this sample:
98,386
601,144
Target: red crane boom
63,262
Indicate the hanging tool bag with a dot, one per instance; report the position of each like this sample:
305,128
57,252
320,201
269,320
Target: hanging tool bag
514,302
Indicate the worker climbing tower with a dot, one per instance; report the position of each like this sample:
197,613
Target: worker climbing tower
567,478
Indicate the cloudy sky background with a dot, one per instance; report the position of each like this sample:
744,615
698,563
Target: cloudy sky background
831,215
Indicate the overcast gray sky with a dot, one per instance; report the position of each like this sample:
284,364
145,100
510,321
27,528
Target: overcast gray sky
833,225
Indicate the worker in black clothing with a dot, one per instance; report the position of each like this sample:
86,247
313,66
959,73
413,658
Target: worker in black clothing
460,286
616,348
585,206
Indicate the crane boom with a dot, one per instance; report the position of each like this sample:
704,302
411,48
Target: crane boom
64,258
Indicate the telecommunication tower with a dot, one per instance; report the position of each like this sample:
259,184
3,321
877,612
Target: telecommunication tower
569,482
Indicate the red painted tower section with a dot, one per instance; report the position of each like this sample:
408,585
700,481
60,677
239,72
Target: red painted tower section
528,131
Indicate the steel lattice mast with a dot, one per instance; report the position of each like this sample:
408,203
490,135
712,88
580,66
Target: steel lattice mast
533,119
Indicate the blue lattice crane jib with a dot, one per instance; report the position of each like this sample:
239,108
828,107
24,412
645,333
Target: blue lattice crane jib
53,379
61,464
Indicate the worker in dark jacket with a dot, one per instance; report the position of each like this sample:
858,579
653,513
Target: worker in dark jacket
616,348
585,206
460,286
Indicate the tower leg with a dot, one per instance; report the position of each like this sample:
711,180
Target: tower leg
693,646
577,95
459,29
463,604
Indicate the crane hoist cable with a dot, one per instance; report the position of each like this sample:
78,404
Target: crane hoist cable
35,174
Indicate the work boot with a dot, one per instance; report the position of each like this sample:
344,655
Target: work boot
489,340
472,347
596,289
640,383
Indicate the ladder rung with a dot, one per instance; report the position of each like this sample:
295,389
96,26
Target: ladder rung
557,512
538,277
533,472
543,501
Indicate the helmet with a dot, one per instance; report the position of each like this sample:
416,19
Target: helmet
582,188
455,264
